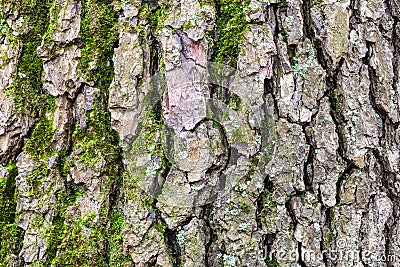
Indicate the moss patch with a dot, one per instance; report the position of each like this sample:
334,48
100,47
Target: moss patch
82,244
117,257
99,140
330,232
75,245
27,87
3,24
48,42
10,234
230,25
39,144
99,33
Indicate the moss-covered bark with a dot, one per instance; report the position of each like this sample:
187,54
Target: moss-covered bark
320,162
10,234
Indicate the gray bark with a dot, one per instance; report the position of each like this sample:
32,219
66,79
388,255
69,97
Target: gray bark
87,179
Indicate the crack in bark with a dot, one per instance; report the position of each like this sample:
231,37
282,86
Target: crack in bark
207,212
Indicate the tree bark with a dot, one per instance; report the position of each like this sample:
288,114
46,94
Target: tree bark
309,132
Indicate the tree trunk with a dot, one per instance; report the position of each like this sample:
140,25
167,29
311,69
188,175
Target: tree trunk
115,152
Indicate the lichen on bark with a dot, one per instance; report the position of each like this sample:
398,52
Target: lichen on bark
320,165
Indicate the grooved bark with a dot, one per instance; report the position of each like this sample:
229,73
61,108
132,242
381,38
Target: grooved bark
310,121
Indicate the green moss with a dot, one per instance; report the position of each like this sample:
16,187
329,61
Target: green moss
39,144
245,207
153,127
269,201
282,4
272,261
235,102
330,232
285,36
53,236
68,244
318,3
82,244
117,257
48,43
36,177
56,234
158,17
11,238
329,237
331,215
240,135
10,234
3,24
160,227
26,89
97,141
99,33
230,25
149,140
269,211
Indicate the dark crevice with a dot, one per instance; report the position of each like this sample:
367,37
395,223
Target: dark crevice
269,88
114,199
323,244
154,55
384,141
290,211
388,233
336,101
259,203
170,235
154,68
207,217
346,173
396,58
173,247
308,168
373,78
166,164
268,241
291,52
386,180
294,223
272,84
308,29
300,261
268,238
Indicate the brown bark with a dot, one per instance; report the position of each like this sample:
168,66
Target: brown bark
301,143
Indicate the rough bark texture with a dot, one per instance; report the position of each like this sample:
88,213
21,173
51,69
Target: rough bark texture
321,190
